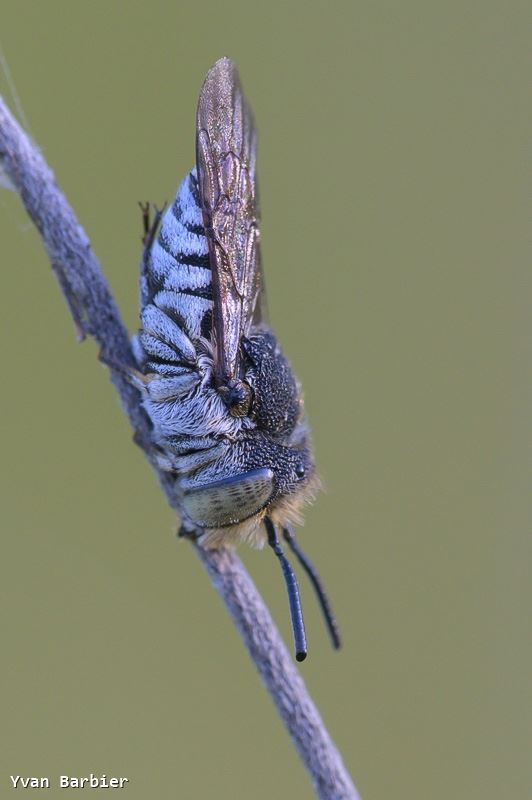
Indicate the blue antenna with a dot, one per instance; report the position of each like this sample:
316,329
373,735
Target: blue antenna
315,579
296,613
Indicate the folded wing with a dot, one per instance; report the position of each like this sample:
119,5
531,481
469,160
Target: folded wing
225,155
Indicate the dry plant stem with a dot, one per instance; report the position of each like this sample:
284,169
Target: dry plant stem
95,314
279,673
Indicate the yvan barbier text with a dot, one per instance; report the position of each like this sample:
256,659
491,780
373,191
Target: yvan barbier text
90,781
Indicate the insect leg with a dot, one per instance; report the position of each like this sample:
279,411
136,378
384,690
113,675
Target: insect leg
185,533
149,226
130,373
296,613
323,600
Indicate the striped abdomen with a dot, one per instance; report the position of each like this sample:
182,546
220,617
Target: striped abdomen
176,284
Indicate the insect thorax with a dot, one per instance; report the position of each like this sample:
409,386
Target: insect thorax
230,470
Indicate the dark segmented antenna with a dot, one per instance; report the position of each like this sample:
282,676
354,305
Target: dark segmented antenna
296,613
323,600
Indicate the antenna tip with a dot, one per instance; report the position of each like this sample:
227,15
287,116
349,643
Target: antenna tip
301,656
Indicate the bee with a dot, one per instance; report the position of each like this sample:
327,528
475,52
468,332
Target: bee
227,412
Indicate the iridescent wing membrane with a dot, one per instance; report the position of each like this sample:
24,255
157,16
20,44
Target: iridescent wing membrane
225,156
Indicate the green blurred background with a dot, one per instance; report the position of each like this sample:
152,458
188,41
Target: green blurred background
393,175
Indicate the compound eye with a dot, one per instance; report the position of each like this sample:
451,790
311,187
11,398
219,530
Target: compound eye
300,469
